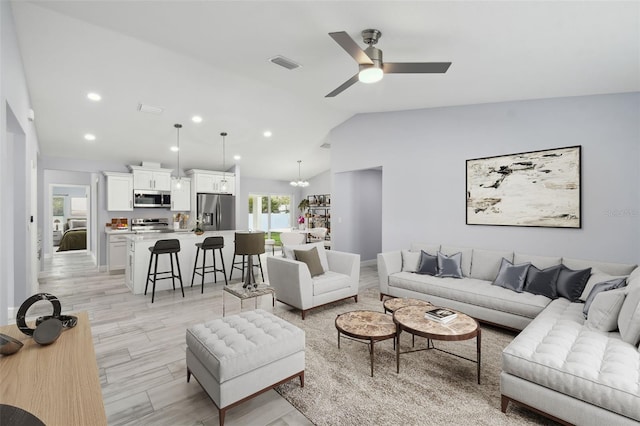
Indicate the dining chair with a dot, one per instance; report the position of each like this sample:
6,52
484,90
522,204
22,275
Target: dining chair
292,238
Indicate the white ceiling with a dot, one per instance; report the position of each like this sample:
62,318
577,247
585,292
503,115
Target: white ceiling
210,58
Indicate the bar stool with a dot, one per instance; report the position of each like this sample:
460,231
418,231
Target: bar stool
248,244
172,247
213,244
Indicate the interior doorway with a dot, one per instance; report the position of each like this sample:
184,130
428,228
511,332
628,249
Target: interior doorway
69,218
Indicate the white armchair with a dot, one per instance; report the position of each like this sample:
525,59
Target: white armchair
295,287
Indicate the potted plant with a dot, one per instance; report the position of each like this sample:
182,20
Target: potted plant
198,229
304,204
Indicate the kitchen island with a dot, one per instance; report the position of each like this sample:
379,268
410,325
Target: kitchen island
138,259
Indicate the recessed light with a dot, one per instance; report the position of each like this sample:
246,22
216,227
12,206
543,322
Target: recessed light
90,137
196,119
236,157
175,149
267,133
94,96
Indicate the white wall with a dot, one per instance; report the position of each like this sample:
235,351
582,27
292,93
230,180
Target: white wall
356,213
18,152
423,155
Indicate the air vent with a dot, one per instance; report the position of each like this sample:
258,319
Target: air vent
149,109
326,145
284,62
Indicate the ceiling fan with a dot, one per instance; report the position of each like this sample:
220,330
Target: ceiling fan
372,68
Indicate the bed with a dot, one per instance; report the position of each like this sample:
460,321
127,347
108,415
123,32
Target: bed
75,235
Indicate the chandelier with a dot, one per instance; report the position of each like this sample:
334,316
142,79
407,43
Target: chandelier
301,183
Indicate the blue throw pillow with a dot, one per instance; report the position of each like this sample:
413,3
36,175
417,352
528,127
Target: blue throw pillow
599,288
428,264
512,276
449,266
543,282
570,284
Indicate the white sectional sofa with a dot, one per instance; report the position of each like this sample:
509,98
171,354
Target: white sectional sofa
559,364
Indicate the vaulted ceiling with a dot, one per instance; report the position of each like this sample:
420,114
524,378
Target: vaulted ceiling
210,58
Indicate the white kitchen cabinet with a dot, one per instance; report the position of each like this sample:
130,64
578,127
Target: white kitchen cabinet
181,197
119,191
116,251
211,182
151,179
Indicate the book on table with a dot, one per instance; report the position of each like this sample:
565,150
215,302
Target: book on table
441,315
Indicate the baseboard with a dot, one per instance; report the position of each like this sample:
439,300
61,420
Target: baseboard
372,262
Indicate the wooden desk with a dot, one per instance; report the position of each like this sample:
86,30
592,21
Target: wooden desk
58,383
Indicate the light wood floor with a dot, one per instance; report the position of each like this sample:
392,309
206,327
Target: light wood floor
140,347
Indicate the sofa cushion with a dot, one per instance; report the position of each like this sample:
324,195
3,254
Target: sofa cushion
597,276
512,276
311,258
600,287
486,263
604,310
629,318
540,262
557,352
289,254
465,263
571,283
410,260
472,291
449,266
543,282
428,264
606,267
330,281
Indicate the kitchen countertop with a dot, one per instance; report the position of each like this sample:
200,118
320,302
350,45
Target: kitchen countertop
187,235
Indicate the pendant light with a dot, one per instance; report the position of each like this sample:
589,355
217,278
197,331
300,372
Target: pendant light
179,181
223,182
301,183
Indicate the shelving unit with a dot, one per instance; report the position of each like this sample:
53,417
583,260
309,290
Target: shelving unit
319,212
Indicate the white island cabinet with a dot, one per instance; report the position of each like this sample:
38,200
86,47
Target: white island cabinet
138,256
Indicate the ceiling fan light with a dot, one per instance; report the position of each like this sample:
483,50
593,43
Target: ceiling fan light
371,74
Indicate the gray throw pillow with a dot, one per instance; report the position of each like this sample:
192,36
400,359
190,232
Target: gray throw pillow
512,276
571,283
312,259
600,287
629,318
605,309
428,264
543,282
450,266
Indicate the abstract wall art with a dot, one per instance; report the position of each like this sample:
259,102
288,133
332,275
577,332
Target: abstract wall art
538,188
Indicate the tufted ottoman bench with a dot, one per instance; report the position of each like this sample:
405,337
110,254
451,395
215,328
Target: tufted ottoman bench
240,356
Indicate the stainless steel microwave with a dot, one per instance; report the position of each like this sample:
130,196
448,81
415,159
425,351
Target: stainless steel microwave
151,199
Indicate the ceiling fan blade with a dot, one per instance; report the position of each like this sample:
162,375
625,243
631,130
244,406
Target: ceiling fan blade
415,67
352,48
343,86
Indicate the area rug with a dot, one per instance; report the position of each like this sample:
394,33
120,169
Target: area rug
432,388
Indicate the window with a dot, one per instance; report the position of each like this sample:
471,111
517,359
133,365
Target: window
57,206
268,212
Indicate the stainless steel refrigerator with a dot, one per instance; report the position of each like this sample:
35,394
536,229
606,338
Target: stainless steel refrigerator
218,211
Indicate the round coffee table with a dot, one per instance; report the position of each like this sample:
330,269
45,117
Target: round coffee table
366,327
411,319
392,305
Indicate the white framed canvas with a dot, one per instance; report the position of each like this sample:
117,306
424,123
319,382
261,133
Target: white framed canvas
537,188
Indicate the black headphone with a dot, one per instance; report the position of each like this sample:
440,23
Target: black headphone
48,328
